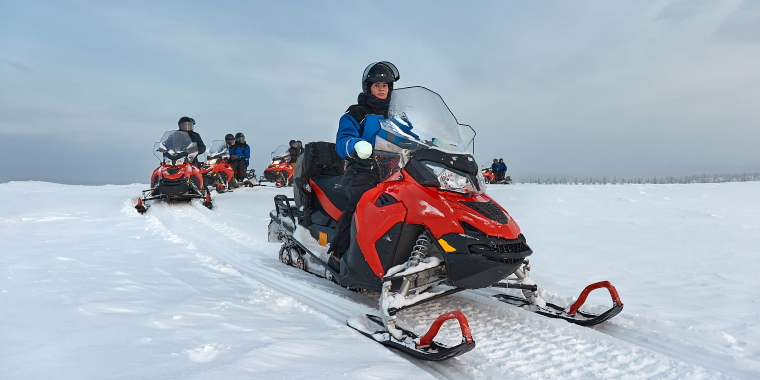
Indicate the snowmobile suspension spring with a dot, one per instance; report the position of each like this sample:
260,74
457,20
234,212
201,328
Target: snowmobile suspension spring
419,251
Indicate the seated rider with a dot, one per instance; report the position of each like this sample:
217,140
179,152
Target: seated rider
502,169
357,129
186,124
294,150
243,155
229,139
495,169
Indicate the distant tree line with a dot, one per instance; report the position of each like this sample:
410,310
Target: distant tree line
703,178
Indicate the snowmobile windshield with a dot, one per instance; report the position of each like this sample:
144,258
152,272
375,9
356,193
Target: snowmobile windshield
218,149
280,153
418,118
175,144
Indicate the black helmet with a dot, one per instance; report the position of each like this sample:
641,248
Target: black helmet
382,71
299,144
229,139
292,143
495,160
501,160
240,137
186,123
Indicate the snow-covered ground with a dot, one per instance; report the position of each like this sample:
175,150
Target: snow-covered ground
92,290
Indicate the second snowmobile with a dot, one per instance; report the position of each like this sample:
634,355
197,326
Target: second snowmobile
217,173
428,230
176,178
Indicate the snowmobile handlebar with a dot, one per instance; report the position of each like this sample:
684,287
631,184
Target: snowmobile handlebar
584,294
427,339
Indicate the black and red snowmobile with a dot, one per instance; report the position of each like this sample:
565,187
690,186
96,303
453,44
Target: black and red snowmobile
428,230
280,170
176,178
490,177
216,172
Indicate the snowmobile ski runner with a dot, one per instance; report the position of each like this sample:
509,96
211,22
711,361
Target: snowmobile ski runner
428,230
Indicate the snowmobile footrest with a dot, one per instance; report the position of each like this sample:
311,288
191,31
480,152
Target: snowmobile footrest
371,326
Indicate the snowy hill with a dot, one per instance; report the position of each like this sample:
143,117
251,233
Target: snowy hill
90,289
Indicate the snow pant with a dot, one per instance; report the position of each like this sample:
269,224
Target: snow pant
360,176
241,168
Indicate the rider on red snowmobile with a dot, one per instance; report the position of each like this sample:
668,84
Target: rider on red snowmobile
295,148
186,124
243,154
229,139
357,129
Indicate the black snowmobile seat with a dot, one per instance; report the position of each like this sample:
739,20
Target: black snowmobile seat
332,187
323,169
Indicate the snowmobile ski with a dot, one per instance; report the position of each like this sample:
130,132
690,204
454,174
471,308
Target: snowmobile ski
424,347
571,313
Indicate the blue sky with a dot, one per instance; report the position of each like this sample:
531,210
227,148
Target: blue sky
585,88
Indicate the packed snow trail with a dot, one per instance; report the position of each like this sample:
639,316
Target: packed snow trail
93,290
506,329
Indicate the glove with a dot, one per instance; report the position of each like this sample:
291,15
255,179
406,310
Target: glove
363,149
233,157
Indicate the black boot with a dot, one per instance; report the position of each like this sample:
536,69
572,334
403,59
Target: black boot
334,261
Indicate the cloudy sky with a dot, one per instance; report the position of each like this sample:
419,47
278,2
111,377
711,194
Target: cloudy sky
581,88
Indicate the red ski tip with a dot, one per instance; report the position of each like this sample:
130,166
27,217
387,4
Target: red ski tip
584,294
427,339
139,202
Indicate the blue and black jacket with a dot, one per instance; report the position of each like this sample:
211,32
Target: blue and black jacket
243,151
360,122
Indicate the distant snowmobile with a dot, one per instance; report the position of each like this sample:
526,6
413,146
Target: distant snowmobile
489,177
217,173
427,231
176,179
279,170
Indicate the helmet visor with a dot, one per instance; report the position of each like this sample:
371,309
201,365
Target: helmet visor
241,139
186,126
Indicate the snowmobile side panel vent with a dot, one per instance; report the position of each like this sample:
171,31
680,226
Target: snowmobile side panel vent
488,209
385,199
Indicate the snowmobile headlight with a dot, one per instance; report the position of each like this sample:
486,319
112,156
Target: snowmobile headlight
454,181
275,162
211,162
179,161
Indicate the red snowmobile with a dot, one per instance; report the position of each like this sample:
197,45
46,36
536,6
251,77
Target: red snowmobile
279,170
176,179
489,177
427,231
217,173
